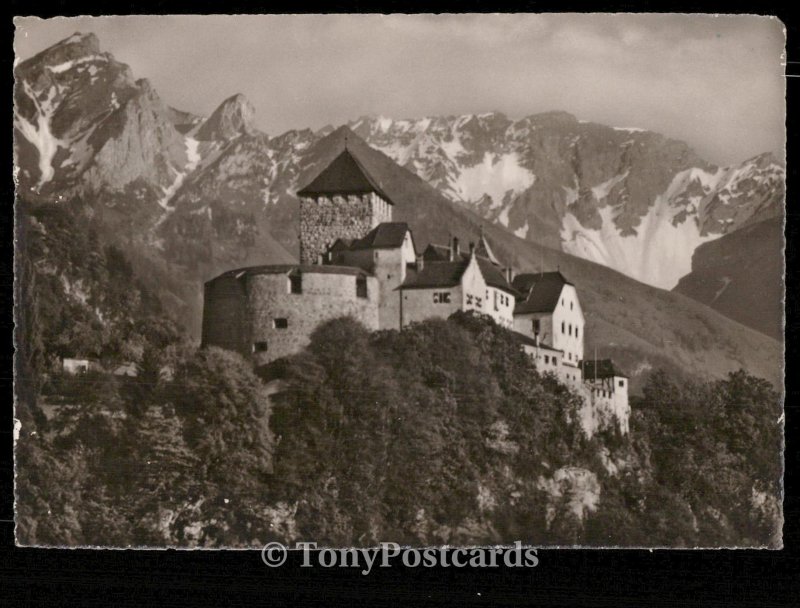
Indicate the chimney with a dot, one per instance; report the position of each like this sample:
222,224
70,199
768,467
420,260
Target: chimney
471,249
420,262
510,275
456,248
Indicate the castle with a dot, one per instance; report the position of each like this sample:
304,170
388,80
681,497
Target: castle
355,261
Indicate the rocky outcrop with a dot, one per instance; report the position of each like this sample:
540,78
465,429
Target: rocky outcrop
136,142
232,118
90,126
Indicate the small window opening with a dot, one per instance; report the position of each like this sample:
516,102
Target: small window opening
280,323
361,287
296,283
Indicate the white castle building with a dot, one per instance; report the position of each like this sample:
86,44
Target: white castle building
355,261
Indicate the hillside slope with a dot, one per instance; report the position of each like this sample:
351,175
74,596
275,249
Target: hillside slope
741,276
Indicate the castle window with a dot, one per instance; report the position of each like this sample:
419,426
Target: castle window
570,329
441,297
570,305
622,382
563,327
555,361
547,359
296,283
280,323
536,326
260,347
576,332
361,287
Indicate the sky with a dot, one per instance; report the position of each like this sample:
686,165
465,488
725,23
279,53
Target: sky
715,82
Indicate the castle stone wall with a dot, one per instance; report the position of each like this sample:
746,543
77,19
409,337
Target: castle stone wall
225,315
324,219
324,297
257,316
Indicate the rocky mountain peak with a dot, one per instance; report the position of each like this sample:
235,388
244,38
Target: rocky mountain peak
232,118
75,47
765,160
554,118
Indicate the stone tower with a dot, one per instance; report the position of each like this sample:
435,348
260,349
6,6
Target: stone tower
343,202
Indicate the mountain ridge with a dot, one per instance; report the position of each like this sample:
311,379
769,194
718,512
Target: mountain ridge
202,206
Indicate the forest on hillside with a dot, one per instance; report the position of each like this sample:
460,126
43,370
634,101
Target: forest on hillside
443,433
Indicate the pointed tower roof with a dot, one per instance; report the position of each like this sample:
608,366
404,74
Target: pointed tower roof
343,176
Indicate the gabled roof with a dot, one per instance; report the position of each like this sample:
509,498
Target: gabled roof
442,252
344,175
437,274
388,235
540,291
493,276
448,274
605,369
437,253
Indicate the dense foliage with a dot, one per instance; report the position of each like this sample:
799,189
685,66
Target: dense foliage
441,433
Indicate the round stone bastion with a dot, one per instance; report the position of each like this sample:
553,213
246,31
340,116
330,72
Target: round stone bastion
268,312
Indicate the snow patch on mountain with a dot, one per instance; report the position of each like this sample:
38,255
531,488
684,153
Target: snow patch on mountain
498,176
522,232
68,65
660,252
601,191
192,153
40,135
725,282
170,190
503,217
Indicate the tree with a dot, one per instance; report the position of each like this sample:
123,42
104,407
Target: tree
225,411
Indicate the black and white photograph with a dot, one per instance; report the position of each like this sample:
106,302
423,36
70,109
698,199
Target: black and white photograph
399,280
